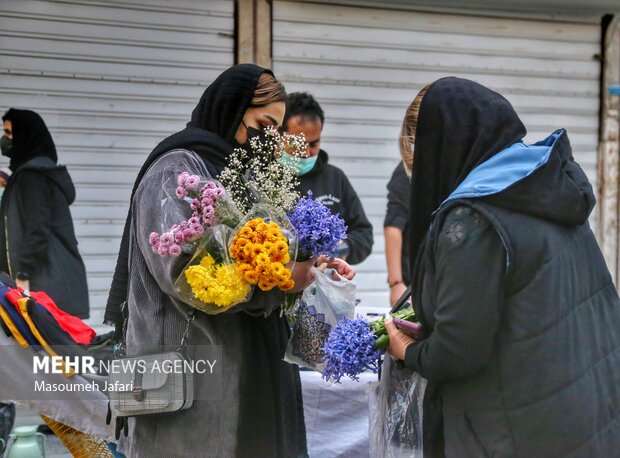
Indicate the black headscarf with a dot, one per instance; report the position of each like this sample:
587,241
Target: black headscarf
211,134
461,124
223,104
30,137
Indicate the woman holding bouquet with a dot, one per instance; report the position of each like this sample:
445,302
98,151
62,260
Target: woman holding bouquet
259,411
522,349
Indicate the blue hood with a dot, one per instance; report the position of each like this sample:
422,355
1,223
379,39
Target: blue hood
542,180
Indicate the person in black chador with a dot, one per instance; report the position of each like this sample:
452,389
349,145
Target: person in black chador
522,320
259,412
36,230
329,184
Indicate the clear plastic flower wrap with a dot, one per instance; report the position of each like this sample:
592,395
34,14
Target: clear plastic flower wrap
396,406
212,282
264,246
198,218
321,306
208,203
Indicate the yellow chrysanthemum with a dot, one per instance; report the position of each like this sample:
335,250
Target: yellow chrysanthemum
219,284
207,261
266,285
245,232
251,276
262,259
256,249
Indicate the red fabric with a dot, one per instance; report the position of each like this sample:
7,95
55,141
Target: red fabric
75,327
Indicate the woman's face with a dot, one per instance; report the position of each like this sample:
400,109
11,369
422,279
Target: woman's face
8,128
259,118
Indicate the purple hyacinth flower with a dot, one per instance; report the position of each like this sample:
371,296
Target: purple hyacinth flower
350,350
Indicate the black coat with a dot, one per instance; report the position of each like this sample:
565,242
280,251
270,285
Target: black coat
524,320
330,186
37,234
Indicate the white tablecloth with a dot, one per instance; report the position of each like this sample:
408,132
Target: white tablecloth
336,415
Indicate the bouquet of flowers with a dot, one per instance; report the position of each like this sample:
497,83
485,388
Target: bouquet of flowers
355,346
238,235
210,281
318,230
209,208
263,246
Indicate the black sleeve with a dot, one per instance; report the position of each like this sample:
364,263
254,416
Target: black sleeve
470,265
359,229
399,187
34,197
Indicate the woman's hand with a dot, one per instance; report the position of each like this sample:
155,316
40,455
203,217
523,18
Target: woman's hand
302,275
341,266
398,341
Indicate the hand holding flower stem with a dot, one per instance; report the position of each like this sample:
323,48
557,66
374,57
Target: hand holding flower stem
398,340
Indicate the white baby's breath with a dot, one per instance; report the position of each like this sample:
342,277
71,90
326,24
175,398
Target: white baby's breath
258,176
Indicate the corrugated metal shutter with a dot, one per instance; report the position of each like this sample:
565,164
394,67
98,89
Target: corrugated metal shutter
365,65
111,79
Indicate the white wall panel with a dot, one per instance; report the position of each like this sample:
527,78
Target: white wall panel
365,65
111,79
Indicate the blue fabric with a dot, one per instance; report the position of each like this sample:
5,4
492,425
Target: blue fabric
511,165
112,447
16,317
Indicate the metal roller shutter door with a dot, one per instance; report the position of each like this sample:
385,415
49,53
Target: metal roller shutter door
365,65
111,79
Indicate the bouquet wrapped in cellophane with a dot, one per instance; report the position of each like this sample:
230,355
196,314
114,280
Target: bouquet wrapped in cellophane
210,281
239,235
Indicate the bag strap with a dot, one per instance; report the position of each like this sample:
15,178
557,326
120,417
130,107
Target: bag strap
122,345
189,317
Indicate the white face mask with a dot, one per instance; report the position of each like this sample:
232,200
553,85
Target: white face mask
1,192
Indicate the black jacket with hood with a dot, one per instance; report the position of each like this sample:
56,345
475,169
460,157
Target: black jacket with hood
36,230
37,234
523,319
330,186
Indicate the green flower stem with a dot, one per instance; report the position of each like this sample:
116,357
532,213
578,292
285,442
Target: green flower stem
378,326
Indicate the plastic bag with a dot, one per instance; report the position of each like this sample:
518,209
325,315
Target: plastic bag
396,406
211,282
314,315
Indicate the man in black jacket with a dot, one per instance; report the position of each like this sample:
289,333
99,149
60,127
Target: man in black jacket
328,183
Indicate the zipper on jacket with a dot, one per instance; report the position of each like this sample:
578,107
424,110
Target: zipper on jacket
6,243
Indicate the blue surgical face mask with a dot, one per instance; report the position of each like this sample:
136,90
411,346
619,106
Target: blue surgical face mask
302,164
